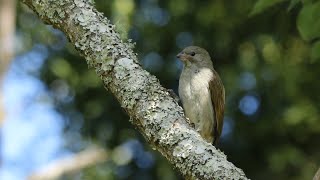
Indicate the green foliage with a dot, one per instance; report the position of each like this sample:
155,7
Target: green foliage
262,5
293,3
315,51
308,22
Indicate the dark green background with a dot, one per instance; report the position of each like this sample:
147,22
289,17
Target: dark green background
267,53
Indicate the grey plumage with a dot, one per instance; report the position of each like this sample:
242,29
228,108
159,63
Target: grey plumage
202,93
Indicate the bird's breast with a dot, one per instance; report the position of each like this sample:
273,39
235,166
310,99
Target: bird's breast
194,93
194,83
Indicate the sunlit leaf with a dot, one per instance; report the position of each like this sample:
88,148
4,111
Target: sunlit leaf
262,5
308,22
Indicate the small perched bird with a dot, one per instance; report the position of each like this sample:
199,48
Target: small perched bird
202,93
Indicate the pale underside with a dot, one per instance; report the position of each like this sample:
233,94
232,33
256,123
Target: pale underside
196,100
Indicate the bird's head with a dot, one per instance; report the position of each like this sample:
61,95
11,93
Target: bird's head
194,55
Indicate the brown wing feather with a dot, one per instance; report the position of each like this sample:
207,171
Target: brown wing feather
218,100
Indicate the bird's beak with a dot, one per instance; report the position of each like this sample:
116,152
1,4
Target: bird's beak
182,56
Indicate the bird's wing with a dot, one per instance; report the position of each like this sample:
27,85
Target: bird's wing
218,100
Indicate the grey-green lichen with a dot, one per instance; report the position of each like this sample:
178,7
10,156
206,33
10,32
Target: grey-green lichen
92,34
148,104
50,10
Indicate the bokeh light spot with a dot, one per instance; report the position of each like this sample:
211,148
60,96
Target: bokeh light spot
249,104
184,39
152,61
247,81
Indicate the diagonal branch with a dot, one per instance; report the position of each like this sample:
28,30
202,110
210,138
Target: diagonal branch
157,115
71,164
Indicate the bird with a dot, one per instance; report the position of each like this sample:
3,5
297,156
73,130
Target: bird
202,93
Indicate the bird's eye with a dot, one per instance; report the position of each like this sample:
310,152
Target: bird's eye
192,53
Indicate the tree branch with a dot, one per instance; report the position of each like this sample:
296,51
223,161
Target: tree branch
71,164
156,114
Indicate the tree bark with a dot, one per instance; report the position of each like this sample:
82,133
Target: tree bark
151,109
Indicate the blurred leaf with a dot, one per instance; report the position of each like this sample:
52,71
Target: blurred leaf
183,7
315,51
285,157
262,5
292,4
308,22
301,113
307,1
247,55
297,50
61,68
